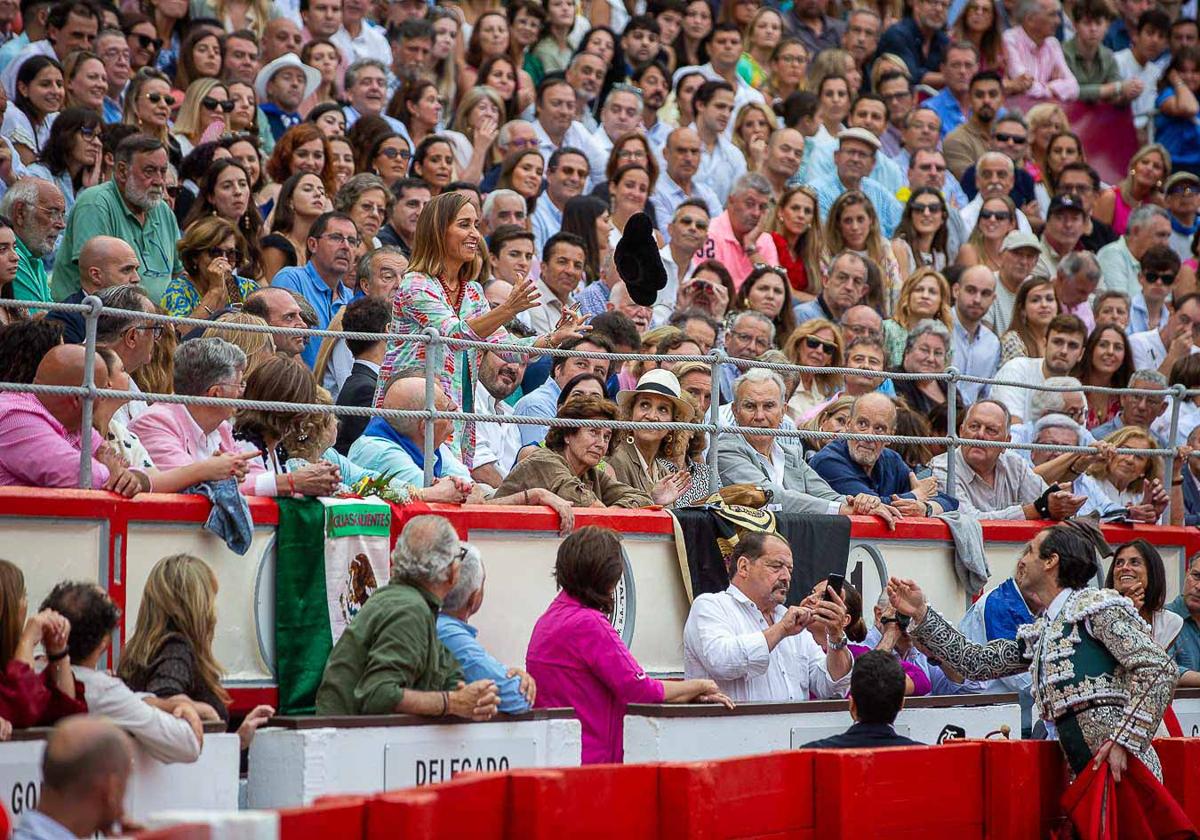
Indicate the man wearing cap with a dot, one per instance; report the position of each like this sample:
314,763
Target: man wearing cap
1183,200
1075,279
1064,226
281,86
854,159
1019,255
870,113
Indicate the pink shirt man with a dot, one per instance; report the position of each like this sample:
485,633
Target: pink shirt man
578,660
1052,79
728,250
37,451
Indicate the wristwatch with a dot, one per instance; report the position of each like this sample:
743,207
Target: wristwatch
839,644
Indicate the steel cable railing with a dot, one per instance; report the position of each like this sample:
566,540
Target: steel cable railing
92,309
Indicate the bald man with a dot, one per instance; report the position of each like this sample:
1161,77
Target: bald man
104,261
279,308
40,435
859,466
85,769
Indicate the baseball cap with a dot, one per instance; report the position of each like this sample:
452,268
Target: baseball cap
1020,239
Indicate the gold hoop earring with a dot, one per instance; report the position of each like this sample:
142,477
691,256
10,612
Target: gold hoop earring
629,439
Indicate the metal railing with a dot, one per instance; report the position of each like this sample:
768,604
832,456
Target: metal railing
91,309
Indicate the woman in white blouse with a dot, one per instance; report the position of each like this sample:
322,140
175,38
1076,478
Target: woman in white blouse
39,98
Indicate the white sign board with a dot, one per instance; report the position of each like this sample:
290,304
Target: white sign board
21,775
428,762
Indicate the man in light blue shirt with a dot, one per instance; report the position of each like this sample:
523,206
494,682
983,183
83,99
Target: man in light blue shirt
566,175
976,350
332,241
676,184
516,687
959,63
869,112
855,157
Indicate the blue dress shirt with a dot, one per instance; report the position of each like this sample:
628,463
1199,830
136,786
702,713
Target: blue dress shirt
888,479
947,108
887,207
540,402
478,664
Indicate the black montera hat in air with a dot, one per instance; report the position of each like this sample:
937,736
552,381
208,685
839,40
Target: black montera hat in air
638,262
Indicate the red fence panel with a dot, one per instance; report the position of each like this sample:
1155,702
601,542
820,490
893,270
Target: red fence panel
1180,759
330,818
899,793
763,796
1023,786
600,801
474,800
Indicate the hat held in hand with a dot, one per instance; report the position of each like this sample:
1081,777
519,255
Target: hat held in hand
637,261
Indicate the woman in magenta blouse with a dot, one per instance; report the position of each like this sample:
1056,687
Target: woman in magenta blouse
579,660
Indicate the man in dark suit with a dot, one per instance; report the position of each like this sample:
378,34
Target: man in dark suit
369,315
876,695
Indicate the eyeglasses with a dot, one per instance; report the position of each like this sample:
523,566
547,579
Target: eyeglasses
1015,139
814,343
212,104
1165,278
156,98
792,59
232,254
89,131
926,209
155,329
692,221
997,215
631,154
896,97
391,153
341,239
750,340
146,42
55,214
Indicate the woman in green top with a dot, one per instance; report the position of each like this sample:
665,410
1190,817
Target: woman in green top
762,37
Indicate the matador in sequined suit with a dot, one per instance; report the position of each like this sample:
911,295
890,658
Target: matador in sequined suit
1099,680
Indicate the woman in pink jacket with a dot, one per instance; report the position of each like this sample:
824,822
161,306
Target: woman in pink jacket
579,660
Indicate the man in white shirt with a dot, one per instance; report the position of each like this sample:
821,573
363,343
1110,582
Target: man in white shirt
1137,61
1160,349
496,444
566,175
754,647
679,182
169,730
725,48
1018,256
562,270
358,38
689,230
1065,338
1119,261
721,162
556,125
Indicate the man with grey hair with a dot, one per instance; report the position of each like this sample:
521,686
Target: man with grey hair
861,321
1119,261
1075,281
1138,409
1071,404
1034,56
748,336
994,175
854,161
516,688
841,292
389,660
748,203
200,437
503,207
37,210
868,469
366,86
994,483
85,770
778,463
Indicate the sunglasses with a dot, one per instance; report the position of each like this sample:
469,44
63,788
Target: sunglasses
1017,139
212,104
146,42
1166,279
156,98
997,215
391,153
926,209
172,190
814,343
232,254
1184,189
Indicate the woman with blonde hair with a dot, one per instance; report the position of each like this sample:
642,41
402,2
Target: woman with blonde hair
751,128
834,416
206,102
473,138
997,219
1045,120
795,228
237,14
1034,308
148,107
763,35
631,372
170,651
834,62
1132,482
84,81
258,346
853,225
925,294
1148,170
815,343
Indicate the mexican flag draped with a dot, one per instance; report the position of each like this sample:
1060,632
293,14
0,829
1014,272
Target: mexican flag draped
330,555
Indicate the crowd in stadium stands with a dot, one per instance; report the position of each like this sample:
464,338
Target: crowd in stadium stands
875,186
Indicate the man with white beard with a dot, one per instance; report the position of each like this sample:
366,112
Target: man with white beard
129,207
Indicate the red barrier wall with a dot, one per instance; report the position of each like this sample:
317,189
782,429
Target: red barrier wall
1181,772
330,818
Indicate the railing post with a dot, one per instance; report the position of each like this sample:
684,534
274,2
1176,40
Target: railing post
434,351
714,410
89,381
951,427
1177,397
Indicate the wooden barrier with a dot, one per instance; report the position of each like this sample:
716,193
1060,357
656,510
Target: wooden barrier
209,783
699,733
293,761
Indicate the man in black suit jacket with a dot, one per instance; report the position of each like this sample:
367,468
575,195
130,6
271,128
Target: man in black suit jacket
370,315
876,695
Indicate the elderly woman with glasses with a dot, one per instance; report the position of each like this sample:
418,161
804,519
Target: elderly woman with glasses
1128,483
927,351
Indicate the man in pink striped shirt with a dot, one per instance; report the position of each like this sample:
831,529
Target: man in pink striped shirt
40,435
1032,51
